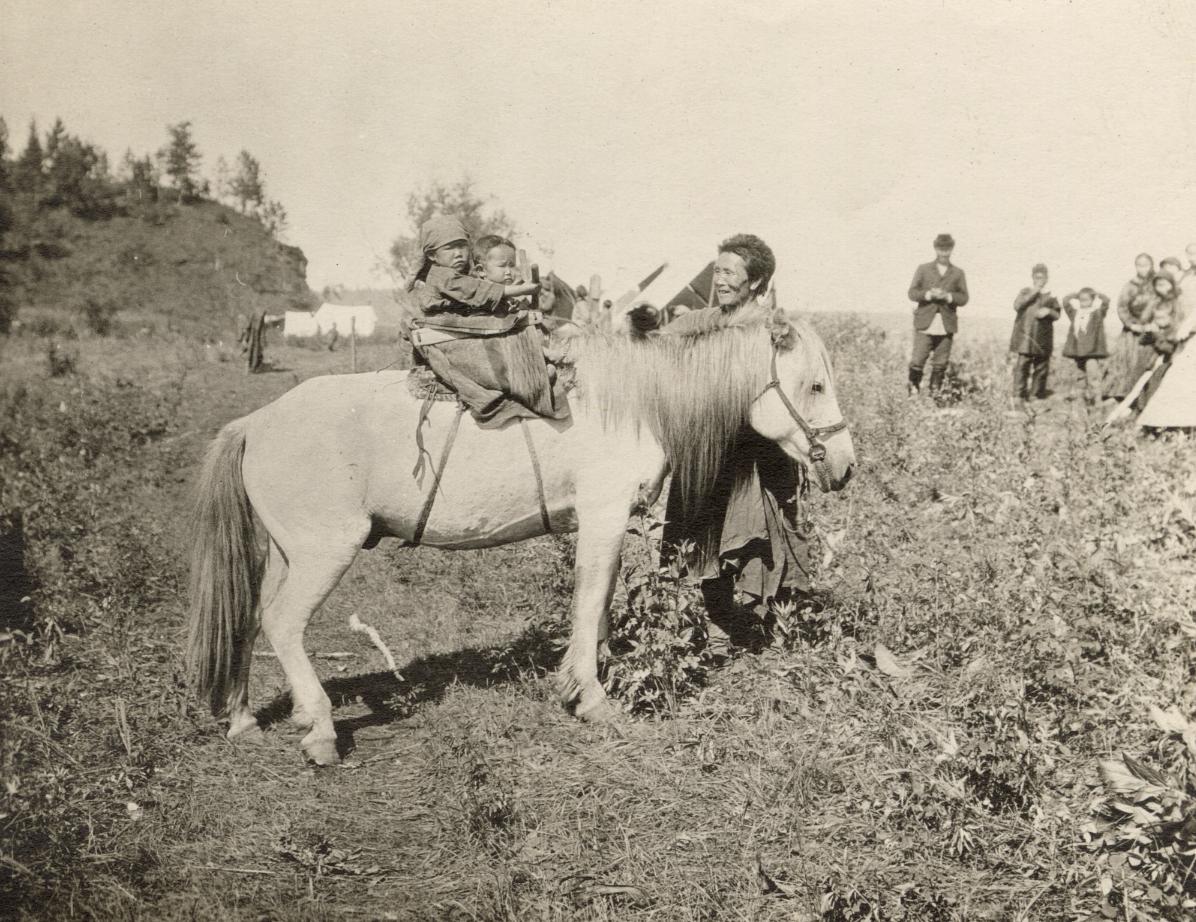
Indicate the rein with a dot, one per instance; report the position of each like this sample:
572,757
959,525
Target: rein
812,433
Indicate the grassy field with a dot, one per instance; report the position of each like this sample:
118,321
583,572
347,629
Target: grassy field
987,721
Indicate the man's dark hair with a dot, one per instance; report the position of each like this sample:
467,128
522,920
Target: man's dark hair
757,256
486,243
581,293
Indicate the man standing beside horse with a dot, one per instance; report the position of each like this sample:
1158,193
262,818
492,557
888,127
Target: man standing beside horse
752,534
938,290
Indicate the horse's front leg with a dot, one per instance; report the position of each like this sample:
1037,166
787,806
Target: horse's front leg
600,532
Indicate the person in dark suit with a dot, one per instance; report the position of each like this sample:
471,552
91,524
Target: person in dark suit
1033,337
938,290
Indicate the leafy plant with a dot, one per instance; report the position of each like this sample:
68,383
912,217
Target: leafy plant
658,647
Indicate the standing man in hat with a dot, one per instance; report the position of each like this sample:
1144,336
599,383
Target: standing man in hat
938,290
1033,338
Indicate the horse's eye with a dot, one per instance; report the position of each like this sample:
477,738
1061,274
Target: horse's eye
817,387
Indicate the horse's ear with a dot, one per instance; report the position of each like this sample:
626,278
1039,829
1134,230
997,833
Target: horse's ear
784,336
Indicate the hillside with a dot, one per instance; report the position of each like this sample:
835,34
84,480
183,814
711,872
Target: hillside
190,268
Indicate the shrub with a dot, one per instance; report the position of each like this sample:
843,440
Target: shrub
658,646
60,362
98,313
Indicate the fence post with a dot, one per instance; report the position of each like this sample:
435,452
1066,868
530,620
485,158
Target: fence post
353,342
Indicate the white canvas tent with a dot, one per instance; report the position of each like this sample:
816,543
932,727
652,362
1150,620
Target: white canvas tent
346,317
299,323
677,279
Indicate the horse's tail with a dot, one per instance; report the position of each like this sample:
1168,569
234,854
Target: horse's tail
225,570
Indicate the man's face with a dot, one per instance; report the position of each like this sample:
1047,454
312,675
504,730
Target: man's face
943,254
1086,300
1040,279
453,255
731,280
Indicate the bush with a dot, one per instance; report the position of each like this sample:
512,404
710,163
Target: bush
60,362
658,647
99,314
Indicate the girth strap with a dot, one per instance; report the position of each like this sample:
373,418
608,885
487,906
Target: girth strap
531,450
426,512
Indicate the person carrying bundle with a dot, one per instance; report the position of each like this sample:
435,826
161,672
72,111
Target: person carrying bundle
471,331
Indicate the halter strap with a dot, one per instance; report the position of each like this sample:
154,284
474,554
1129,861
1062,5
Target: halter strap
812,433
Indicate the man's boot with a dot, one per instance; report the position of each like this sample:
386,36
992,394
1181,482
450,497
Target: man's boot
740,625
937,374
915,380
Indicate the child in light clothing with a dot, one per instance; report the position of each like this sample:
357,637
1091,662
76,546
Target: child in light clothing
1085,343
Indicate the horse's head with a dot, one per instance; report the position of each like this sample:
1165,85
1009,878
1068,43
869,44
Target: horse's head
798,409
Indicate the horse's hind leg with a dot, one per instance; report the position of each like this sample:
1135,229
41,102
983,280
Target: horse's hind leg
312,573
241,720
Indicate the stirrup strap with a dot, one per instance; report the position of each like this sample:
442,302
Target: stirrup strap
426,512
531,450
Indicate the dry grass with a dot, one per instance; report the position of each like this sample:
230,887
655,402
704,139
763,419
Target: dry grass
1006,600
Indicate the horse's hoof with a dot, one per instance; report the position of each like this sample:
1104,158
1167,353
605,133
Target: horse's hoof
302,719
245,732
598,712
322,752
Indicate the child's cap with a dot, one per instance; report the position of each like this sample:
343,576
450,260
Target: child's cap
439,230
1172,261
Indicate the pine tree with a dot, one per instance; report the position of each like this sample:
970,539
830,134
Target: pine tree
180,160
5,171
274,218
248,187
54,139
31,165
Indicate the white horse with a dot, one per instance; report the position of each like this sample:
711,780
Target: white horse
328,468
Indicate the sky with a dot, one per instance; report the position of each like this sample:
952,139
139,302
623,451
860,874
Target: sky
621,135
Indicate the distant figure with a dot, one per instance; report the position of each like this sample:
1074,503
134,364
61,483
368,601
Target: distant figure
252,339
1162,396
1132,353
1085,345
1033,337
1168,304
584,310
938,290
1189,276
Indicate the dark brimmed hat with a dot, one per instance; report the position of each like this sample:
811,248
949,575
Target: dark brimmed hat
944,242
1039,269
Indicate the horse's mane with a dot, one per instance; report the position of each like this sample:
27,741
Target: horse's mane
693,391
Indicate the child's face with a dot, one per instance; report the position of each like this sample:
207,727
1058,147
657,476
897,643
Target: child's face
499,265
453,255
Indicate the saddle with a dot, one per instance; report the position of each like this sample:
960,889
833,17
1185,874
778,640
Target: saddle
493,365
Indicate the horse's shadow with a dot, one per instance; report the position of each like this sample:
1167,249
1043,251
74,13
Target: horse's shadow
425,680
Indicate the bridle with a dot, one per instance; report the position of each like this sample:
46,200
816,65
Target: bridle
812,433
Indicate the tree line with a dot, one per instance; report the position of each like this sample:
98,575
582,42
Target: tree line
64,171
59,171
